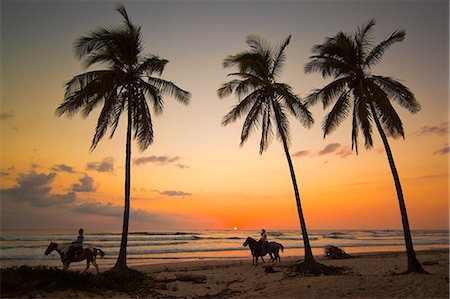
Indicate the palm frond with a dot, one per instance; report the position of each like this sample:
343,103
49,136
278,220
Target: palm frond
365,121
142,122
294,104
330,92
167,87
377,52
267,133
398,92
154,95
337,114
252,121
119,106
85,89
283,128
280,57
241,108
103,122
355,130
363,39
152,64
392,123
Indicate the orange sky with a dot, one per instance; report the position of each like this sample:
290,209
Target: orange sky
195,175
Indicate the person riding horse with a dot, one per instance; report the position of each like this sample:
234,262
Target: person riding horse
75,246
263,241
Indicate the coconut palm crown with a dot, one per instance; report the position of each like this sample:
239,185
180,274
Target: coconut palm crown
126,84
265,103
348,59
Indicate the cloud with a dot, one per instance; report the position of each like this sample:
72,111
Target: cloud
330,148
63,168
32,203
182,166
35,188
443,151
86,185
160,160
106,165
441,129
301,154
4,116
172,193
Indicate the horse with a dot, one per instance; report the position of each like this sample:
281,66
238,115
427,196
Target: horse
89,254
255,248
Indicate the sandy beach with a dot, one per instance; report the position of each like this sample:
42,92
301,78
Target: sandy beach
367,275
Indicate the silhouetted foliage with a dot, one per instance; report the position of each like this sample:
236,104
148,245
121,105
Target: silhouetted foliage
265,103
127,84
348,58
27,280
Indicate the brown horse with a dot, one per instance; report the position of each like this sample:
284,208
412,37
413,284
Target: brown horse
89,254
255,248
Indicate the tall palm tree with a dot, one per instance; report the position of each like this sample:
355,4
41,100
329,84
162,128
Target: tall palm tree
126,84
266,103
348,58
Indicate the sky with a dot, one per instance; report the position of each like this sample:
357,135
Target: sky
195,175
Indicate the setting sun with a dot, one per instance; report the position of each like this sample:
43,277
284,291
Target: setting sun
235,228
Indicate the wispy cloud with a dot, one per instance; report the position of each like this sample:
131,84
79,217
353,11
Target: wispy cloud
160,160
439,130
443,151
4,116
301,154
86,184
106,165
63,168
173,193
332,148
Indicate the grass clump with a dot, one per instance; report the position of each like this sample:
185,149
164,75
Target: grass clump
17,281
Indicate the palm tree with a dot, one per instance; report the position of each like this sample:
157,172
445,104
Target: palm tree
266,103
348,58
126,84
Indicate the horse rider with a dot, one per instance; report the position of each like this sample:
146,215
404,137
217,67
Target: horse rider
263,241
75,246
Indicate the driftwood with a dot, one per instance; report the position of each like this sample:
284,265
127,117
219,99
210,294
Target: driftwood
335,253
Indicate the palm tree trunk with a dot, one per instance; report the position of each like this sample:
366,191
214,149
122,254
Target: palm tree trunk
413,264
308,252
122,259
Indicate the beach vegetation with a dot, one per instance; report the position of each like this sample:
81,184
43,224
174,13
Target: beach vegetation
28,280
129,83
265,103
347,58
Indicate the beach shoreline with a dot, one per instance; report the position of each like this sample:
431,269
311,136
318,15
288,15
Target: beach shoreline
366,275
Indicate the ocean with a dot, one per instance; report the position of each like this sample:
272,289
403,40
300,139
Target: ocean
28,247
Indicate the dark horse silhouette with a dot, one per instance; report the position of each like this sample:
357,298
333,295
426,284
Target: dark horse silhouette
89,254
255,248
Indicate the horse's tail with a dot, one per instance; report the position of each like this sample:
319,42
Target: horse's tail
281,246
102,253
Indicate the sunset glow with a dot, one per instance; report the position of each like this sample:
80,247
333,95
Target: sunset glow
195,175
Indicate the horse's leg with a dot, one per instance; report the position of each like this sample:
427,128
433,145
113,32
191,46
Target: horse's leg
65,266
88,263
263,260
95,264
271,257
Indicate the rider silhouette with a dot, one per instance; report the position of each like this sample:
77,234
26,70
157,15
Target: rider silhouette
75,246
263,241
